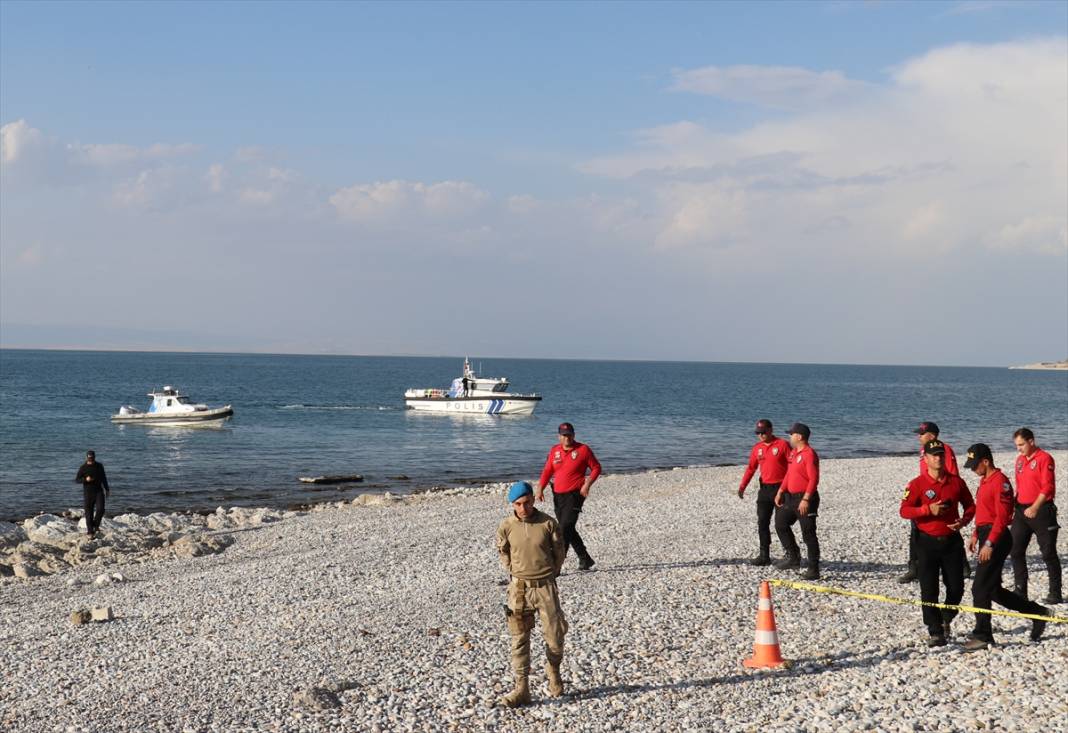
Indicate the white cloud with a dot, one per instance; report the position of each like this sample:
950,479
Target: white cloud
30,155
786,87
399,202
215,177
961,146
18,139
1045,234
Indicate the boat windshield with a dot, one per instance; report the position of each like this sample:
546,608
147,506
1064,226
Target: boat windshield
184,401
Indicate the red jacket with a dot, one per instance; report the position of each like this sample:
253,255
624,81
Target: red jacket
772,459
567,468
803,472
1034,476
949,463
923,491
994,504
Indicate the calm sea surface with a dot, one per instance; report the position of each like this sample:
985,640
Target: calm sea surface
310,415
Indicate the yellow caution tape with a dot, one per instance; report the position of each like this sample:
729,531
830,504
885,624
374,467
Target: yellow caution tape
912,602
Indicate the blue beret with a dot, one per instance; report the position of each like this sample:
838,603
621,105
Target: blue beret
518,490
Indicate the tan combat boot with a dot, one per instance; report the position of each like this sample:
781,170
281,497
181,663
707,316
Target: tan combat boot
518,696
556,685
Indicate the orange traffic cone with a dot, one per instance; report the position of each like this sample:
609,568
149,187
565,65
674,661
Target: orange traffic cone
766,652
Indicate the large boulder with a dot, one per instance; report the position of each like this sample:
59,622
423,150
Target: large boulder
160,522
48,529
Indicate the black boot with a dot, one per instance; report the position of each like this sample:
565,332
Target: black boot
792,561
764,558
911,573
586,563
812,572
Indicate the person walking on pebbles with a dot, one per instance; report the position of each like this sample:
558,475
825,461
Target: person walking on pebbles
993,513
798,500
926,432
531,549
770,455
567,466
1036,514
94,488
940,504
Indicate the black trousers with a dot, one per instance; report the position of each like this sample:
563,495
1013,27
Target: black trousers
945,555
986,586
94,506
765,506
912,542
1045,528
787,514
567,507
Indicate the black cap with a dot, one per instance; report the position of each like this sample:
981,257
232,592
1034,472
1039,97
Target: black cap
566,428
799,428
978,452
935,448
90,454
926,427
762,426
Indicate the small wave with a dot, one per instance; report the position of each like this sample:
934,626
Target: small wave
373,408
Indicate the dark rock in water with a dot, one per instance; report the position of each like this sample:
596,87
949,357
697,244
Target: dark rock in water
353,478
401,477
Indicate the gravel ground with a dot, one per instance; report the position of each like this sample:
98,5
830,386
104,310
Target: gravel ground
395,613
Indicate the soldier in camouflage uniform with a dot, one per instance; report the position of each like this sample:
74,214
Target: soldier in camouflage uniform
531,549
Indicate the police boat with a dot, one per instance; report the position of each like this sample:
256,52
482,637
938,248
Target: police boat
472,394
172,408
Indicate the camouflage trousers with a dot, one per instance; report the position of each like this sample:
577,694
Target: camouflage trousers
525,597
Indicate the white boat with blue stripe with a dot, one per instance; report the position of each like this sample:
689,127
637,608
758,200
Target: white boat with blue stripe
473,395
171,408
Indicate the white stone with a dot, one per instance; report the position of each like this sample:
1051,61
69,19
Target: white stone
102,613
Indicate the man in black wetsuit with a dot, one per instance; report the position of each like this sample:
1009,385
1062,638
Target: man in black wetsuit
94,488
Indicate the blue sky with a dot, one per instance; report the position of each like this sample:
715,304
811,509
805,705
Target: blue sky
656,149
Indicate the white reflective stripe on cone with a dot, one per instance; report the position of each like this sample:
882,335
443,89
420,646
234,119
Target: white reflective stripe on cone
764,604
766,637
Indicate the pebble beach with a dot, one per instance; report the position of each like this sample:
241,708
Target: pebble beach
385,613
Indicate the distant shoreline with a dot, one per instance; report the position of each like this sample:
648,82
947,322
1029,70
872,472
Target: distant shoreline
1050,365
580,359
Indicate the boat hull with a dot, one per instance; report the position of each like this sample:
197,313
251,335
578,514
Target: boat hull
200,417
504,405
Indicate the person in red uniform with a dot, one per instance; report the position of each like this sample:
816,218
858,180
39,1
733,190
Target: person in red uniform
1035,514
940,504
771,455
926,432
993,512
572,468
798,500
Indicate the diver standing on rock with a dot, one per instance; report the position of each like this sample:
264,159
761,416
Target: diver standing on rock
531,549
94,488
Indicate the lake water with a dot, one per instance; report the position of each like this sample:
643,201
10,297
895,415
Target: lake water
311,415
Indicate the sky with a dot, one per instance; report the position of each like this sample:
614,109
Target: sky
839,182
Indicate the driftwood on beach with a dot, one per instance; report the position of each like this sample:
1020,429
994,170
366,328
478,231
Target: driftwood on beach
346,479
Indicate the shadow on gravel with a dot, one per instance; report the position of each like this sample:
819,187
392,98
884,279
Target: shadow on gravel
826,565
799,668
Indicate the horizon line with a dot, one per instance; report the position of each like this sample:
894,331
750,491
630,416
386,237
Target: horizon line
99,350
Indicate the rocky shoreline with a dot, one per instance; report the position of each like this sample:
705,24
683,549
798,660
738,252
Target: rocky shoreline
384,613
